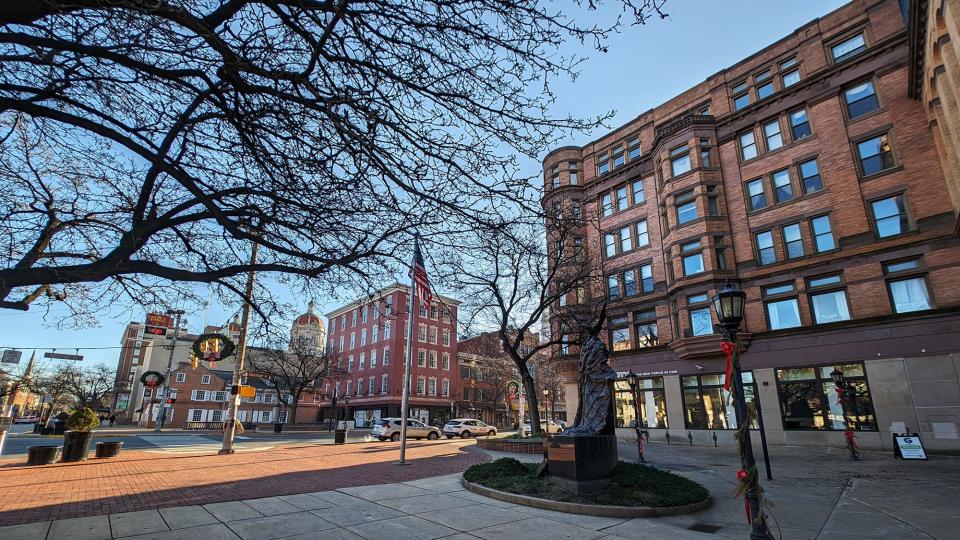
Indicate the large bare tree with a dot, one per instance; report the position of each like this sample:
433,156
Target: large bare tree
514,278
296,371
149,143
88,385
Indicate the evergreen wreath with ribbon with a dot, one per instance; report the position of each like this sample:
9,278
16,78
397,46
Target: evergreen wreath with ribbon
213,348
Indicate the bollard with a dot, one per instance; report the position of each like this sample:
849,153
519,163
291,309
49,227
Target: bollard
690,437
715,445
668,437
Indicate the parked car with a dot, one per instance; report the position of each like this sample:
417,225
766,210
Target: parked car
551,427
389,428
467,427
28,419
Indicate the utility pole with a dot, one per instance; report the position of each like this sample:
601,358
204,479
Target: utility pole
158,424
407,367
230,426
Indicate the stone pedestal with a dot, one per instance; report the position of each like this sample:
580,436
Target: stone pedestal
582,463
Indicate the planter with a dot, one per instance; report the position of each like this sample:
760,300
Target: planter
340,436
278,428
519,446
42,455
76,445
108,449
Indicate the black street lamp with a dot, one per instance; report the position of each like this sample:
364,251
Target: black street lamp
634,380
729,304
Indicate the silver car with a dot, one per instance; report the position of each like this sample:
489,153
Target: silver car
467,427
389,428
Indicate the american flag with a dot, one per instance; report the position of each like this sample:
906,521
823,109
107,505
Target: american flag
419,274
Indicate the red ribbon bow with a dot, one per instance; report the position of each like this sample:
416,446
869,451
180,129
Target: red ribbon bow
727,348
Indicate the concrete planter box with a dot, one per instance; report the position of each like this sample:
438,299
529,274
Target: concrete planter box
517,446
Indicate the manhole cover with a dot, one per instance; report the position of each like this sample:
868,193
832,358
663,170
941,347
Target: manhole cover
704,527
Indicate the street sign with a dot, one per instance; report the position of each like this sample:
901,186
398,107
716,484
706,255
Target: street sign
62,356
910,447
248,391
11,356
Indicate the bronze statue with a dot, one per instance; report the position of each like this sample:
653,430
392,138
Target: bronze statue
595,411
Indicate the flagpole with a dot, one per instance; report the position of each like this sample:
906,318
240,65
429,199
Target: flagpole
408,361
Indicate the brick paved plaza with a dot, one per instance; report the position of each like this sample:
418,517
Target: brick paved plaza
141,480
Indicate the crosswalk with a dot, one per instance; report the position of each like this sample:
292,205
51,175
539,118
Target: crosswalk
193,444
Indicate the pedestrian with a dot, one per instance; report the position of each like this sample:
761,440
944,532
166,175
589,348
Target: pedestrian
113,419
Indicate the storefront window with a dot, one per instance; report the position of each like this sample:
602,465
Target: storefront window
708,406
809,400
650,401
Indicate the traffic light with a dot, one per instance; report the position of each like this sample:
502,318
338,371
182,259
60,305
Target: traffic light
171,401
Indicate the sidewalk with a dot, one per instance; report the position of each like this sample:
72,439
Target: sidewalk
141,481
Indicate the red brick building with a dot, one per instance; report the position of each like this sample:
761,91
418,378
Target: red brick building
370,338
808,177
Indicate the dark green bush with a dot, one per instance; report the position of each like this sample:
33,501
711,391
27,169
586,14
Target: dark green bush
84,419
632,485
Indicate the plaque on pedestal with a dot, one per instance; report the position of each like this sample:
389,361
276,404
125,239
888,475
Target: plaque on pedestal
582,463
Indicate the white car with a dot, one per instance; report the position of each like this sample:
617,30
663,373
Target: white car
389,428
551,427
28,419
467,427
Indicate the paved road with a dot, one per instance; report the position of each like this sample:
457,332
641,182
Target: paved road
179,442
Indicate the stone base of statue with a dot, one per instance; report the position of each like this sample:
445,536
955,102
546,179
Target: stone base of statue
582,463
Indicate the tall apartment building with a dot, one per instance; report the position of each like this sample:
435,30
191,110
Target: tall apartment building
808,177
370,338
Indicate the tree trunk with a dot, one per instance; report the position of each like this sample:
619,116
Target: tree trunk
293,410
533,406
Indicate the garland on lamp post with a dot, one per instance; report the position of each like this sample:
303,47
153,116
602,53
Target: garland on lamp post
211,348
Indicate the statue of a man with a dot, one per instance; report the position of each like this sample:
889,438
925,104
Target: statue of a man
595,414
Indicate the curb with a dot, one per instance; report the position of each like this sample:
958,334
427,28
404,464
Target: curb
588,509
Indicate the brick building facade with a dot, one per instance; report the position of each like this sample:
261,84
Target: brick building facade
808,177
369,337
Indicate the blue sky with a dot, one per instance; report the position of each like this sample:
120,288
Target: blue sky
645,66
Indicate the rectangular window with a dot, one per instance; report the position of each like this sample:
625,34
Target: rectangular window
773,136
765,250
686,211
433,360
646,333
748,146
646,278
626,240
606,202
782,313
622,202
809,399
829,306
758,199
708,406
421,333
875,155
384,387
650,402
363,361
741,101
610,244
386,356
848,48
445,388
789,73
799,124
181,377
350,364
445,359
613,287
765,90
909,293
353,339
638,196
602,164
861,99
576,210
363,337
782,189
890,216
810,176
705,152
822,234
792,241
373,359
700,322
620,338
643,238
386,330
421,358
629,283
446,338
693,263
633,148
421,385
679,160
618,157
713,206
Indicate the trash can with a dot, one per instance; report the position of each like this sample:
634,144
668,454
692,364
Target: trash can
59,427
278,428
42,455
37,428
340,436
108,449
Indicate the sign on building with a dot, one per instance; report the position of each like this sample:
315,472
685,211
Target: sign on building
158,324
910,447
11,356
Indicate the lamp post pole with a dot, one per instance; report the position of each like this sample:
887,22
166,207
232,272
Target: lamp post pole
165,394
633,380
729,305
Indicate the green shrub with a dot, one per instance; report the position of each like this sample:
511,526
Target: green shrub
632,485
84,419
